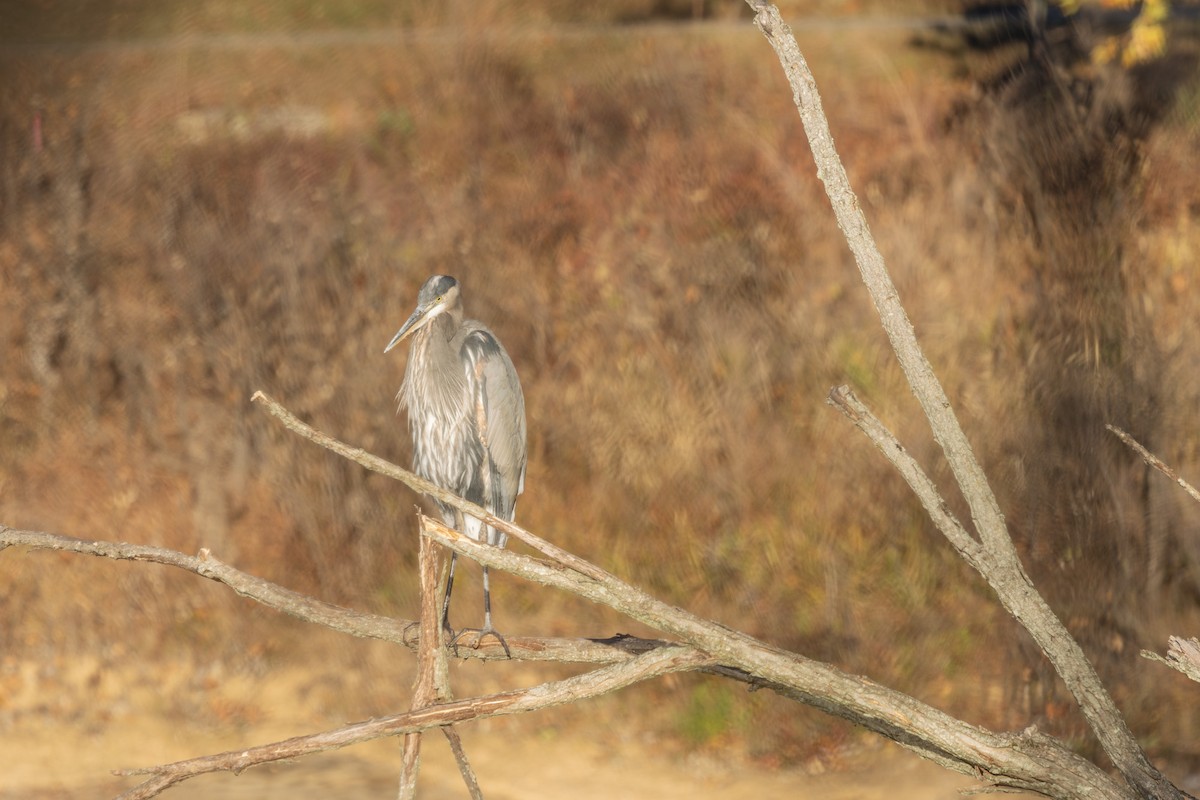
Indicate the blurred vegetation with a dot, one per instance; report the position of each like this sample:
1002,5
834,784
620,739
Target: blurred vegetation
635,213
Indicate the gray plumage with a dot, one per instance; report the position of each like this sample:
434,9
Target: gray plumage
466,413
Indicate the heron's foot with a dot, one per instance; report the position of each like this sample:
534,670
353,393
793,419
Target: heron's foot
477,639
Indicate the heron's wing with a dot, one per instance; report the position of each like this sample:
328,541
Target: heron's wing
499,414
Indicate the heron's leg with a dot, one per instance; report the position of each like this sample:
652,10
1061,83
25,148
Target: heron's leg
446,600
487,629
487,602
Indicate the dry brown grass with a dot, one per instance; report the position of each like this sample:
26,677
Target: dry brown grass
636,215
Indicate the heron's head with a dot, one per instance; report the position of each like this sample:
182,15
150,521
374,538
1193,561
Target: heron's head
438,295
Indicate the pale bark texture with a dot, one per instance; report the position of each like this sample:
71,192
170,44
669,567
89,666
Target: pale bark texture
1001,566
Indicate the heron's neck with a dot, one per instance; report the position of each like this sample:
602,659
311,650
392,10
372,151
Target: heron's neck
440,331
435,373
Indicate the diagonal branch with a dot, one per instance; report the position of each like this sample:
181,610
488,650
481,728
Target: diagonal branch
985,510
206,565
1183,654
422,486
464,766
1029,761
581,687
1007,576
843,399
1154,461
355,623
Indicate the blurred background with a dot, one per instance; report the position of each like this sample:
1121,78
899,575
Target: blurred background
198,201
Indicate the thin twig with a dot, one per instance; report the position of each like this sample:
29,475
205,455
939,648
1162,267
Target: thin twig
464,766
844,400
580,687
1154,461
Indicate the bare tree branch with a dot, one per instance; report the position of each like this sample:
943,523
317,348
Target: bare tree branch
1182,654
843,399
1154,461
422,486
432,683
1006,575
611,650
1029,761
464,766
580,687
356,623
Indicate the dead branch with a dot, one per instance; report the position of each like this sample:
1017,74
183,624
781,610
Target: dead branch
1005,574
843,399
370,626
421,486
356,623
1154,461
931,733
464,766
580,687
611,650
432,683
1029,761
1182,654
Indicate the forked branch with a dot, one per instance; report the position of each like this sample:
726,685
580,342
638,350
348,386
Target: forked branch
1005,574
1029,761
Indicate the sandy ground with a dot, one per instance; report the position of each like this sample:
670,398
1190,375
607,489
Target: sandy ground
65,728
508,767
65,725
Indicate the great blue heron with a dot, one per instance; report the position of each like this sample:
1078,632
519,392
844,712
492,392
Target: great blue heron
467,417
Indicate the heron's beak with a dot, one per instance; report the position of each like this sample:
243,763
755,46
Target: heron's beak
414,323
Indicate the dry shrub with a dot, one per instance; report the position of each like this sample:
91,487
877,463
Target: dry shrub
635,216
